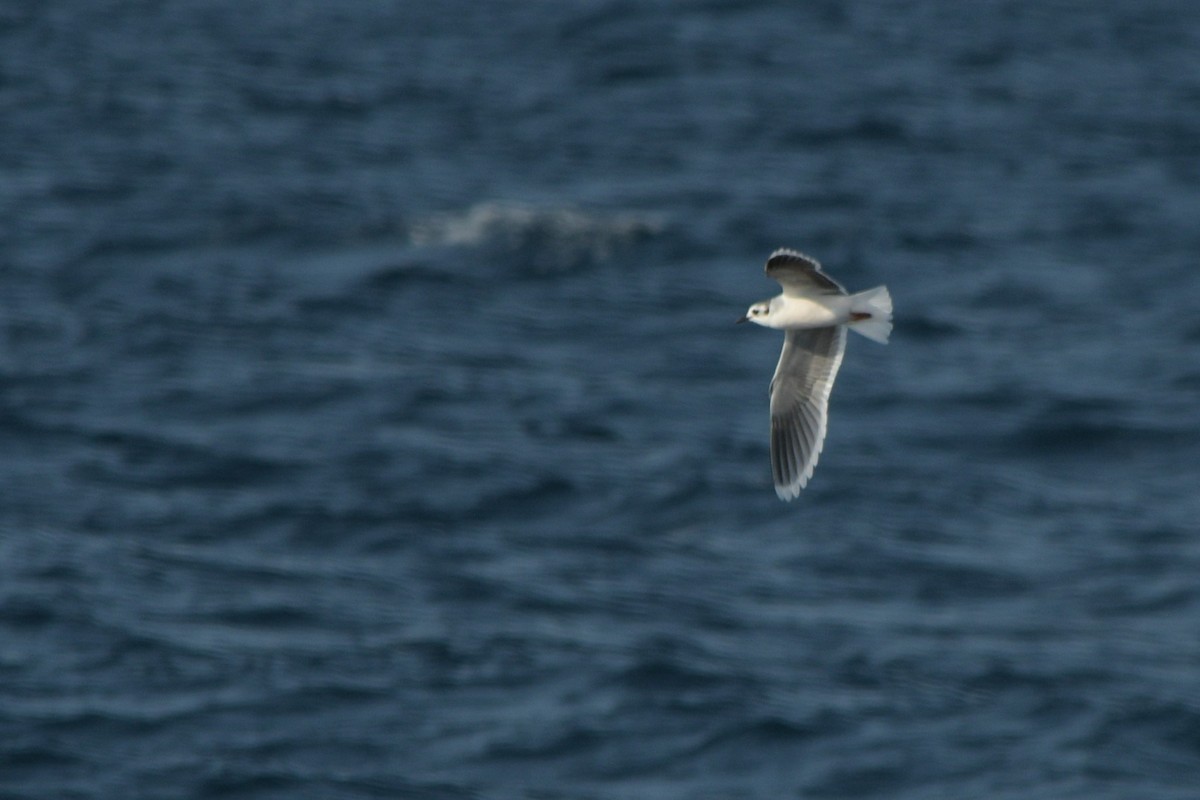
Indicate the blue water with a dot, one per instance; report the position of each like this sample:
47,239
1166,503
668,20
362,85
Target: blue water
374,424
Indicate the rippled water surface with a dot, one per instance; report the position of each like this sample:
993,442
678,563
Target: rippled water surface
374,423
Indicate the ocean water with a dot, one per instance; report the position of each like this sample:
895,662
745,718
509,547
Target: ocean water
374,424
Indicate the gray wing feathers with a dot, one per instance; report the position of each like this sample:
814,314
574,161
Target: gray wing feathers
799,399
800,274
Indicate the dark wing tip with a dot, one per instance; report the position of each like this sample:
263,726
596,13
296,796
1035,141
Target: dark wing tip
795,446
784,257
791,267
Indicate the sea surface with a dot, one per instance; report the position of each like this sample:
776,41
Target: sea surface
373,423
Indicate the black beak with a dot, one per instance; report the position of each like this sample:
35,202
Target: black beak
743,319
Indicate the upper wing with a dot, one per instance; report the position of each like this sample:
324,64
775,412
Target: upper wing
799,399
800,275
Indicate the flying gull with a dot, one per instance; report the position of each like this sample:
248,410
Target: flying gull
815,312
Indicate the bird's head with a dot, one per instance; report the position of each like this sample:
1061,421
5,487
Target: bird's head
758,313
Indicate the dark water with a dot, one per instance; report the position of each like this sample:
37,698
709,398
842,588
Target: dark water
374,424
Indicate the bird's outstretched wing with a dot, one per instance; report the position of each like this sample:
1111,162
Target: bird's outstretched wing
800,275
799,400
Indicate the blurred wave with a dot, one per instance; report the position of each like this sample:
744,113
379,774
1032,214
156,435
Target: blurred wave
544,241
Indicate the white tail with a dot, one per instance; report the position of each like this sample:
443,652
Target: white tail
878,303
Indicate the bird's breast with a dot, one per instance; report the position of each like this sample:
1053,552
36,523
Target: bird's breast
805,312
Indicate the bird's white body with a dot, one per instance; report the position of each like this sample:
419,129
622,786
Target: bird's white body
868,313
815,311
806,312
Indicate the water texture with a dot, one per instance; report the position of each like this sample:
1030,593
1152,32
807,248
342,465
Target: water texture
374,424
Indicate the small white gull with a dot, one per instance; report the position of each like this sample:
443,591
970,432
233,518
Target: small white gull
815,311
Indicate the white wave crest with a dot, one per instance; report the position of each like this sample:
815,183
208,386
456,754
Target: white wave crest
545,236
